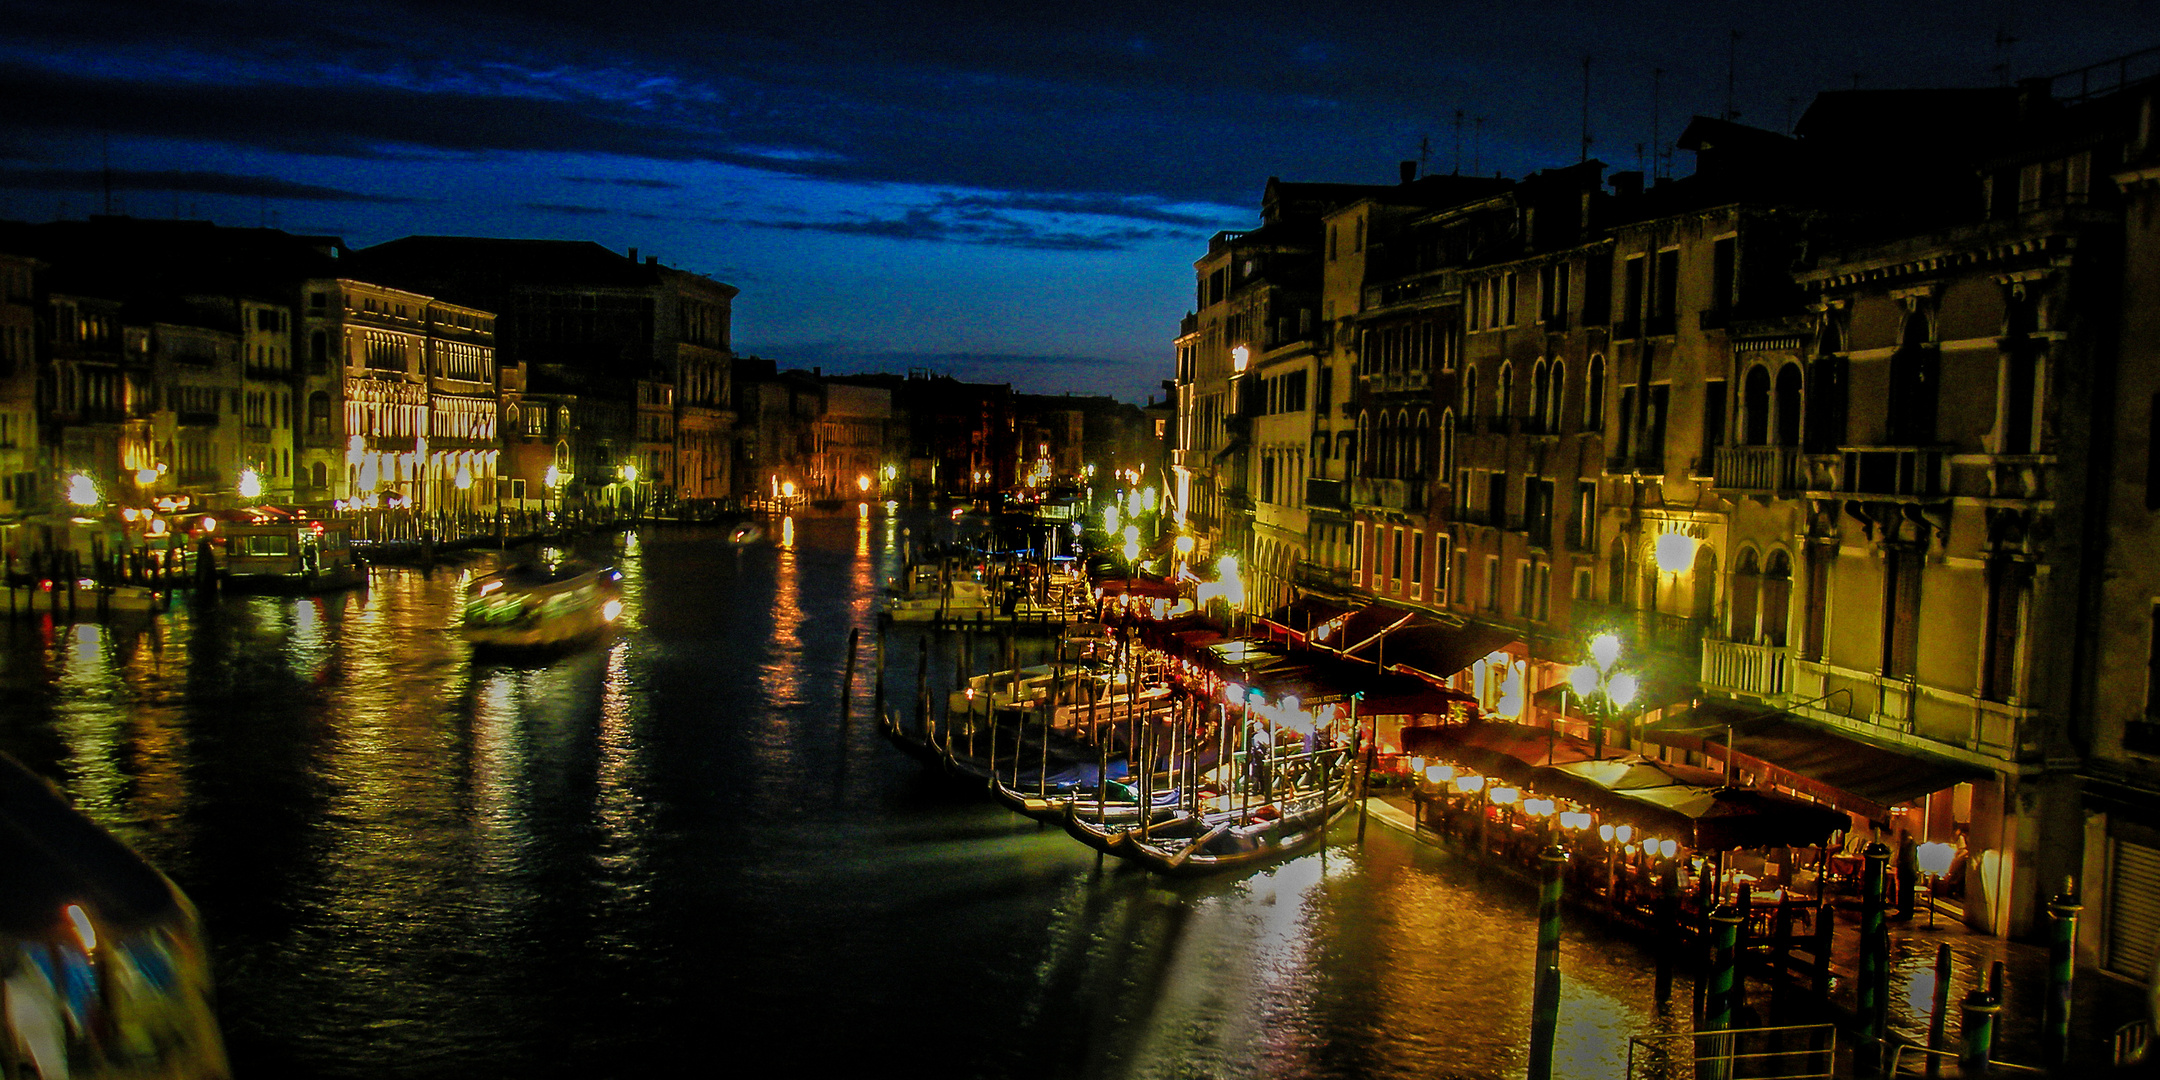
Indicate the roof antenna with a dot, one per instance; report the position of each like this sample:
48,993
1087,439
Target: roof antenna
1732,55
1657,144
1585,156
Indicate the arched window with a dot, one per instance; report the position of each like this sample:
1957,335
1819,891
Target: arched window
1364,439
1559,396
1540,392
319,475
1704,585
1913,370
1469,394
1788,405
1826,405
318,410
1447,446
1505,406
1746,582
1384,455
1421,433
1755,404
1594,395
1776,598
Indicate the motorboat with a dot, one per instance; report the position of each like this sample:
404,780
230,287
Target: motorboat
531,607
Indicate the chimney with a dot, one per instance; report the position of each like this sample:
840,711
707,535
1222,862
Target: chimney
633,254
1409,171
1627,184
2034,95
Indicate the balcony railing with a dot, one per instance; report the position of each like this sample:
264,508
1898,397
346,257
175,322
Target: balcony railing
1891,472
1774,469
1758,670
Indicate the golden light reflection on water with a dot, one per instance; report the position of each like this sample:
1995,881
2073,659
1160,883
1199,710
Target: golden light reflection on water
90,717
619,797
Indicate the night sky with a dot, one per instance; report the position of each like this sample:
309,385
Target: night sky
1002,192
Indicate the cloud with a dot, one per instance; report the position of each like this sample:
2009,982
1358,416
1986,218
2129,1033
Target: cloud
646,182
1037,223
565,208
182,180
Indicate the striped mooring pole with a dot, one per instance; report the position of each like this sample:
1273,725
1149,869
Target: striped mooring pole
1668,926
1940,1014
1874,988
1545,1005
1718,1008
1977,1044
2062,958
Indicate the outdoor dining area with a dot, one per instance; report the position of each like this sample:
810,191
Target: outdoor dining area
1654,844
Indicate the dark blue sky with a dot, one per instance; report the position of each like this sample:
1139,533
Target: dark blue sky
1012,192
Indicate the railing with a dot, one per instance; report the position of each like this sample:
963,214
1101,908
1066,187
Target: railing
1793,1052
1912,1059
1744,669
1895,472
1675,634
1773,469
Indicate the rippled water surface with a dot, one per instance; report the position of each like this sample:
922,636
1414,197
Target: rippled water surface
672,851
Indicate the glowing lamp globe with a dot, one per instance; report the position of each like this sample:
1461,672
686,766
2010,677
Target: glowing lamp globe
1584,679
1605,650
1622,690
1675,552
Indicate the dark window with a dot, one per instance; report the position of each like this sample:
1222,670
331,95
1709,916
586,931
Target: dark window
1597,289
1631,300
1594,401
1901,611
1666,296
1496,501
2007,583
1713,425
1820,557
1583,536
1652,458
1914,373
1721,273
1537,511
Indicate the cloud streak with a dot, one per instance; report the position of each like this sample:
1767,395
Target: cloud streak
187,181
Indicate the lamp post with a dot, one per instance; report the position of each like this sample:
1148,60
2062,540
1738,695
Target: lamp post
1603,687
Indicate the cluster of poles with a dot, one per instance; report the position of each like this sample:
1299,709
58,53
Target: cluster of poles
1130,758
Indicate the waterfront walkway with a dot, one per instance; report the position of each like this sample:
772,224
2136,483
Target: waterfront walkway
2101,1002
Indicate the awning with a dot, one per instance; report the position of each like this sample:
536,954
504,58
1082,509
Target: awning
1855,775
1662,799
1436,651
1306,613
1147,587
1652,692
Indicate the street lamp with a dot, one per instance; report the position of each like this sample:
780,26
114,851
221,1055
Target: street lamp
250,486
83,491
1602,687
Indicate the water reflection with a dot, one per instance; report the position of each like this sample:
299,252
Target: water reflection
415,866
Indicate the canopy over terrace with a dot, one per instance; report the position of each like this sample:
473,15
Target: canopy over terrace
1655,797
1843,771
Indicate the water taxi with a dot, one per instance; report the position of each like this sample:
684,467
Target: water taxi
530,607
103,968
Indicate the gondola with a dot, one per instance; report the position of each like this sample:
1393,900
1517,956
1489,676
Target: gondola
1244,841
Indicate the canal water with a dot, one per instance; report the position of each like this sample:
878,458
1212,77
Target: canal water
672,853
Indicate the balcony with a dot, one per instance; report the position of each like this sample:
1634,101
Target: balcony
2015,478
1389,494
1324,494
1912,473
1314,575
1771,470
1757,670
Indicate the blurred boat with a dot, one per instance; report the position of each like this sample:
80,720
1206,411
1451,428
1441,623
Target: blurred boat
530,608
102,961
